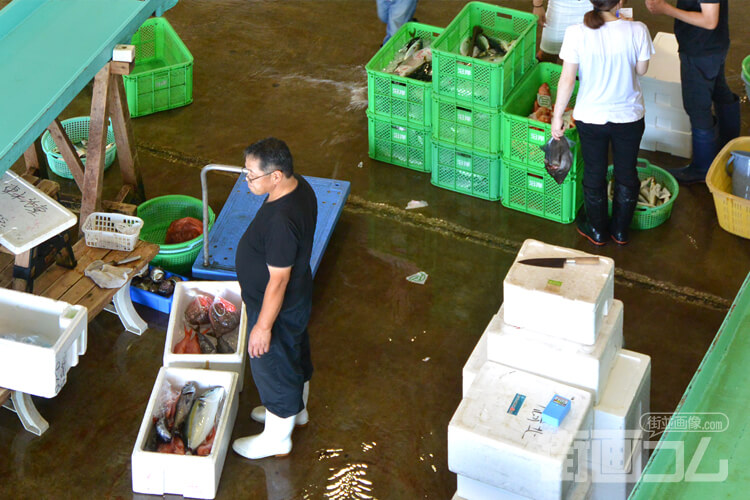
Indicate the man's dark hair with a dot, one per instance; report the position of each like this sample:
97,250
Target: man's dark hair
273,154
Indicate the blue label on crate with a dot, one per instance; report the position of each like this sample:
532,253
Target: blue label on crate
398,134
515,405
398,90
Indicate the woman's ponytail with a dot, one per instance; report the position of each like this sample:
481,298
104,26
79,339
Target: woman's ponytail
594,18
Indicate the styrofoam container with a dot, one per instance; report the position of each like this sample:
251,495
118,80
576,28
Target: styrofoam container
568,302
581,365
617,484
668,141
61,331
183,294
662,83
625,399
188,475
471,489
476,360
513,450
667,118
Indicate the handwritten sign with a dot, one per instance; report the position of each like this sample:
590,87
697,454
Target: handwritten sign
28,217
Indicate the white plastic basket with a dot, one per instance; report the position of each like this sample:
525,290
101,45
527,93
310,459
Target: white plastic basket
112,231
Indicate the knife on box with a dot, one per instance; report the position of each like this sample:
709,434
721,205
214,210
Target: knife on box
559,261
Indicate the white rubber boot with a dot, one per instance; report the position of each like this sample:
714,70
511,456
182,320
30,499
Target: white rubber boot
259,412
276,439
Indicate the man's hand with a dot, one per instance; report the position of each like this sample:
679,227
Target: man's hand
656,6
541,14
260,341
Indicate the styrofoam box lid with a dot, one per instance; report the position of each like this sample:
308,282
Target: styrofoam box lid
579,282
477,358
665,63
628,373
484,412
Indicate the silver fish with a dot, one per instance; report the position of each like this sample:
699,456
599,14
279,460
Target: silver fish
184,405
162,431
203,416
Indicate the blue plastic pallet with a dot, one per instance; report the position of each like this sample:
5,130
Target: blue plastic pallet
240,209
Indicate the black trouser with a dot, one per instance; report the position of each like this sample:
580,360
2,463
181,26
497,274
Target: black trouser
281,373
626,142
703,83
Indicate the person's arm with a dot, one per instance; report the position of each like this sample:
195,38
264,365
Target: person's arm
707,18
641,67
538,11
260,335
564,90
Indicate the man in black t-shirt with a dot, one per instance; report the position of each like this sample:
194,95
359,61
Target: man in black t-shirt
273,270
702,31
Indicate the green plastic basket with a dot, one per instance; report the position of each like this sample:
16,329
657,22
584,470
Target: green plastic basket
397,97
480,82
746,74
400,144
522,136
470,127
466,171
163,74
76,129
157,214
533,191
648,217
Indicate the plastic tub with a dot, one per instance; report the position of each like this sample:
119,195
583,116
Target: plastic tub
732,211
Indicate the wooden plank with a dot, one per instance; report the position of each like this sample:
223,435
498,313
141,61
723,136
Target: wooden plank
66,278
22,259
34,157
93,178
48,187
121,67
126,152
4,395
67,150
123,193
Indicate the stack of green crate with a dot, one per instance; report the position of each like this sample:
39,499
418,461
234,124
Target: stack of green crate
526,184
398,112
468,94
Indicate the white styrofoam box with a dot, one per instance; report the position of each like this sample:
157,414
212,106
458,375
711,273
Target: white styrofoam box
667,118
471,489
662,82
617,484
60,332
123,53
516,452
183,294
477,358
581,365
668,141
192,476
568,302
662,94
625,399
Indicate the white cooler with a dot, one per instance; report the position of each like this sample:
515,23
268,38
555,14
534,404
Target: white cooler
581,365
476,360
511,449
569,302
471,489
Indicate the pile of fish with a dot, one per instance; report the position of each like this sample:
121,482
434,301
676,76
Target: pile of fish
413,60
156,281
544,108
480,46
82,148
651,195
210,327
185,423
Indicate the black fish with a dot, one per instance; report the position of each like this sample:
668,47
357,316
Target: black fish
162,432
557,158
206,346
223,347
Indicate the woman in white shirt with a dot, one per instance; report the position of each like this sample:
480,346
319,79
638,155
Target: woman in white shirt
559,15
607,53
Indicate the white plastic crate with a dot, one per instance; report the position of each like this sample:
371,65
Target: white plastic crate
476,360
569,302
513,450
192,476
668,141
581,365
112,231
59,331
625,398
616,484
183,293
471,489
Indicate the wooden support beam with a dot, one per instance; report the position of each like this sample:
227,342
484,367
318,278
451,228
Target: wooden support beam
34,157
121,67
126,152
68,152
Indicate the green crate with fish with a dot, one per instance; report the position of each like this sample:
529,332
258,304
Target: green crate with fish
658,191
473,127
399,76
483,53
399,143
534,191
466,171
528,113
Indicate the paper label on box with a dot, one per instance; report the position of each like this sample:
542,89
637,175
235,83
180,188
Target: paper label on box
553,286
515,405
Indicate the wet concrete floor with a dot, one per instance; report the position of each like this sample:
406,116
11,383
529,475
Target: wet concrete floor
388,354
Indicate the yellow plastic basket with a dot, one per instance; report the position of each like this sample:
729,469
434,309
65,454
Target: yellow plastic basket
733,212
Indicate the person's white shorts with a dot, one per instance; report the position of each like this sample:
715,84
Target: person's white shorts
561,14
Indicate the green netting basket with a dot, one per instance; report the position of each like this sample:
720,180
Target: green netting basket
746,74
157,215
648,217
76,130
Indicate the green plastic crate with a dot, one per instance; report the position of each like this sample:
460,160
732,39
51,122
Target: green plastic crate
399,143
466,171
472,127
397,97
480,82
522,136
533,191
648,217
163,74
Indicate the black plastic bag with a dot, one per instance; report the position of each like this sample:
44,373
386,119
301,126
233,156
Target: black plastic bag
557,158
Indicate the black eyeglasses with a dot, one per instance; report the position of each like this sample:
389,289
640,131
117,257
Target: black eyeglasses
253,179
